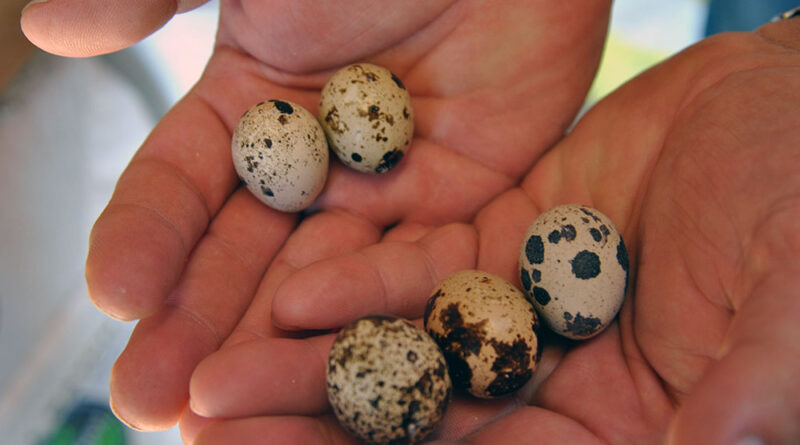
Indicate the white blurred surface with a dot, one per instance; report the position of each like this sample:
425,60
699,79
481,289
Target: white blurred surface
67,130
667,26
54,177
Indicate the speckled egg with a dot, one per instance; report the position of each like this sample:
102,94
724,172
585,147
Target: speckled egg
387,381
573,266
487,330
366,113
280,152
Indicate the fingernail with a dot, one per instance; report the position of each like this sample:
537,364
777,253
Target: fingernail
750,440
195,409
115,410
31,3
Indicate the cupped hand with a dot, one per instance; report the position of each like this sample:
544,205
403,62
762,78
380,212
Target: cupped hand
184,248
696,161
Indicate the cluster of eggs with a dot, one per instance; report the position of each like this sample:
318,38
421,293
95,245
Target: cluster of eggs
280,149
390,381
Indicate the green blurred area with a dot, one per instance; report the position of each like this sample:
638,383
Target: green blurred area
88,424
622,61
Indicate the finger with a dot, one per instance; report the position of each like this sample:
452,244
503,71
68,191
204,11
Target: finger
265,376
160,208
172,188
281,376
83,28
502,225
191,424
214,392
322,235
275,376
150,380
276,431
752,393
388,278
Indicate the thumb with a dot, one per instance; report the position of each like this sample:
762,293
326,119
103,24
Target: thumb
752,394
84,28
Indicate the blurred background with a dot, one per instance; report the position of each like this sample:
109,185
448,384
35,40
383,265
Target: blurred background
67,130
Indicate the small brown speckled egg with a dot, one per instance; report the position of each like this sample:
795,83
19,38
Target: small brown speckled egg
387,381
573,266
280,152
487,330
366,113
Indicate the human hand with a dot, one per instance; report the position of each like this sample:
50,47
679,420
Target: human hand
183,248
696,161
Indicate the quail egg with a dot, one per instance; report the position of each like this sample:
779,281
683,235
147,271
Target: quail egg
366,113
280,152
573,266
487,330
387,380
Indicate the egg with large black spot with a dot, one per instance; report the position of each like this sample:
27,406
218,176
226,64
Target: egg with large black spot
487,331
387,381
367,116
573,266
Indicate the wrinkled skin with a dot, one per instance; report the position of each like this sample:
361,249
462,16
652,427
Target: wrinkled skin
695,161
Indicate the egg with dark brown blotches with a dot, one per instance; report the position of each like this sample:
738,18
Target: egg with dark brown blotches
280,152
573,266
367,116
487,330
387,381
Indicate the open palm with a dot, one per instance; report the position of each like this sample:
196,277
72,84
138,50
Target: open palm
698,164
184,248
696,161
